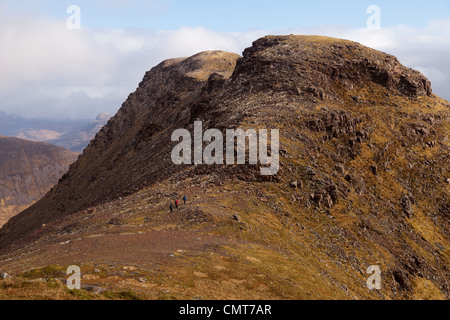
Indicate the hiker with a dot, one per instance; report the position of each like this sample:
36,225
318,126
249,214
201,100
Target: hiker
184,199
176,204
171,207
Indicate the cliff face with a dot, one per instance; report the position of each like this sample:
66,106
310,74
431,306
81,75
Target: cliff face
27,172
363,178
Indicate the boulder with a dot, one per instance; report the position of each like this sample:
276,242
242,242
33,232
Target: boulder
294,184
4,275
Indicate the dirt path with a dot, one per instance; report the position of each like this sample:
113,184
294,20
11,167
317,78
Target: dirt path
147,248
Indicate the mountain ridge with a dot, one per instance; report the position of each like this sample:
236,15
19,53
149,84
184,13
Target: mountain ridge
362,139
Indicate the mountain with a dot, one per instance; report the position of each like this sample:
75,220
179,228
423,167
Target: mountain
362,182
77,140
36,129
74,135
27,172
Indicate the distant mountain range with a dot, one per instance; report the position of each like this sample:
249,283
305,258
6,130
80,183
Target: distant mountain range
74,135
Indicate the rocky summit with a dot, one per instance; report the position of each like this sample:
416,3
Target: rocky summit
363,183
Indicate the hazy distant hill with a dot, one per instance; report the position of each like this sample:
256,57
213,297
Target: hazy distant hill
28,170
74,135
79,139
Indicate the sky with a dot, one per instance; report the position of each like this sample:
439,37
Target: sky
74,59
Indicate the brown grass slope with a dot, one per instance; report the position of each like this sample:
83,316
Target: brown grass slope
364,137
27,172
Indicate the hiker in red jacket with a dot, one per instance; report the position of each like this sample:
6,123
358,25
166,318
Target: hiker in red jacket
176,204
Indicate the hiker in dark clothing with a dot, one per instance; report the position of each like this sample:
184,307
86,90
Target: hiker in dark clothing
176,204
171,207
184,199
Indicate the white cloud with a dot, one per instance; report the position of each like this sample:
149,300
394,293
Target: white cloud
48,70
